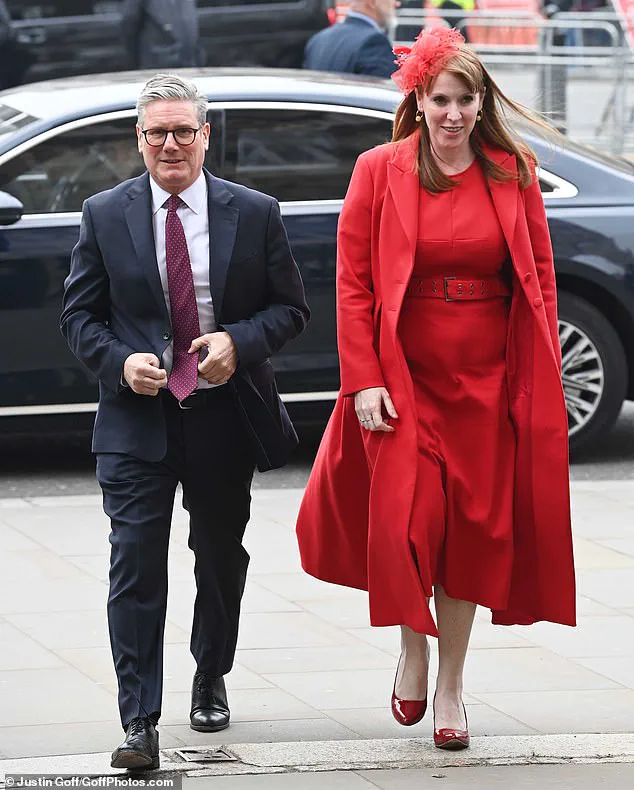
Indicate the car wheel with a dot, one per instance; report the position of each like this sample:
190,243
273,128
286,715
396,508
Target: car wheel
594,370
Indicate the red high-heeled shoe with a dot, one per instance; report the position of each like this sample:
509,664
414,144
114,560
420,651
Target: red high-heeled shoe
407,711
448,738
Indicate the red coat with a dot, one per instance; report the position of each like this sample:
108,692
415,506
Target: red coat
353,523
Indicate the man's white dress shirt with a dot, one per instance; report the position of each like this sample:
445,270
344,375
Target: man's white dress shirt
195,219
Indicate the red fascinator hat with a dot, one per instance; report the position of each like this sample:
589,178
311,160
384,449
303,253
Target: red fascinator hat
430,52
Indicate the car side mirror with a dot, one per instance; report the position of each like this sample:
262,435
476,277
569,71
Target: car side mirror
11,209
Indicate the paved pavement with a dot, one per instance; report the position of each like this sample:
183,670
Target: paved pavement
309,667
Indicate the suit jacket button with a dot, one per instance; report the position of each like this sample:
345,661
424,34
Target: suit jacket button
527,277
537,302
167,336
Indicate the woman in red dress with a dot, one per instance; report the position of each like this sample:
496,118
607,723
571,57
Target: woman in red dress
443,471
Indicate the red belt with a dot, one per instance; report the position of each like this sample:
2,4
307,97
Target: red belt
452,288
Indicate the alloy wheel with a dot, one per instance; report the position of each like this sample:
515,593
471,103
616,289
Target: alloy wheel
583,376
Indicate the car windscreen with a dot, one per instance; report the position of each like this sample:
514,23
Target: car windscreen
12,119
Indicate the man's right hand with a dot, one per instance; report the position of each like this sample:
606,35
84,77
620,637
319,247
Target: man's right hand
143,375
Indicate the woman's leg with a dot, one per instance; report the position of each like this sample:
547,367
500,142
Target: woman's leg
411,676
454,619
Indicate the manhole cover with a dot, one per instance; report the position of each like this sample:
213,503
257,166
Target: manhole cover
206,755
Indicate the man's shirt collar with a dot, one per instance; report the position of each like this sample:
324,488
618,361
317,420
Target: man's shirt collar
366,18
194,197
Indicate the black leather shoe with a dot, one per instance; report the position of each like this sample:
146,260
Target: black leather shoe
210,710
140,750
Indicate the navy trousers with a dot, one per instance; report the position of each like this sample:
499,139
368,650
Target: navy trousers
208,453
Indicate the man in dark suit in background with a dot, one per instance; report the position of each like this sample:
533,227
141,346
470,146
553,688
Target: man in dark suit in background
181,287
161,34
15,57
358,45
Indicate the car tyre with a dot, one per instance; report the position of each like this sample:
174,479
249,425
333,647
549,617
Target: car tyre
595,370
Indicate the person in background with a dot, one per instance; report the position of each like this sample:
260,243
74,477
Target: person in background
443,471
181,287
359,45
161,34
455,5
15,57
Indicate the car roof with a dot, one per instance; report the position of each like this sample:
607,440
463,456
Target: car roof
94,93
54,102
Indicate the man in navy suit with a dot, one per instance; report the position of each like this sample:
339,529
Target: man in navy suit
161,34
359,45
181,287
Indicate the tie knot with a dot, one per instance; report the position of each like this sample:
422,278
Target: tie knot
173,202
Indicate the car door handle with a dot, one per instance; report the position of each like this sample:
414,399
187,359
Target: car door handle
34,35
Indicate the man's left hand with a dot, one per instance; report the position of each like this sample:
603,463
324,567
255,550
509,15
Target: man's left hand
221,361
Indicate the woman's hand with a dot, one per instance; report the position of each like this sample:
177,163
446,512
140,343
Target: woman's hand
368,406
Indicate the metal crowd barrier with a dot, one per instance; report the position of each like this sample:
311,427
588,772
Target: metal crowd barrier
581,89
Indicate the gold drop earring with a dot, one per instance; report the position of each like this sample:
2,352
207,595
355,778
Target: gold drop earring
419,116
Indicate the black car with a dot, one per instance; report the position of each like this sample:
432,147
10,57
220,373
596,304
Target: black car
73,37
295,135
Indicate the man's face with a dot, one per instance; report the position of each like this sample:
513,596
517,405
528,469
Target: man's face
386,12
173,166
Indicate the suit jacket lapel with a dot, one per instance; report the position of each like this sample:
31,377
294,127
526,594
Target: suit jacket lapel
138,215
223,226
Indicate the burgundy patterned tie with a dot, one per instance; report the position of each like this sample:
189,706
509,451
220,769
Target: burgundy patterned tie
185,325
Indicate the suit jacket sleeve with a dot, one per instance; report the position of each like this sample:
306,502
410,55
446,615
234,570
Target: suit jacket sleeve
286,312
376,57
131,20
86,309
543,255
360,368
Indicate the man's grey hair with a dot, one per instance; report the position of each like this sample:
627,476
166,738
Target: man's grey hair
171,87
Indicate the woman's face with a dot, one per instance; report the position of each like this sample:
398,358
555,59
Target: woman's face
450,110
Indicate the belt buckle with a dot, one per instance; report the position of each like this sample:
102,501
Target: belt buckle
194,395
445,288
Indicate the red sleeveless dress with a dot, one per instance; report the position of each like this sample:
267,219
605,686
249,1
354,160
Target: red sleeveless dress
461,529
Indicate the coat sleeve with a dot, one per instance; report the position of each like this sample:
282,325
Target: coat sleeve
543,255
286,313
86,310
358,360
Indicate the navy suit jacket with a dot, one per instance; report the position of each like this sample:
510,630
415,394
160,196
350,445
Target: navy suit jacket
353,46
114,306
161,34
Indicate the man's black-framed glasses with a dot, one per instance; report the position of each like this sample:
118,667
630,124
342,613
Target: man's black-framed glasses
184,135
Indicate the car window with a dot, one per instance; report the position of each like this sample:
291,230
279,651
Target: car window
298,154
545,186
60,173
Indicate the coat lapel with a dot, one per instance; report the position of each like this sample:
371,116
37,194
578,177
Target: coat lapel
223,226
404,187
138,215
401,235
504,194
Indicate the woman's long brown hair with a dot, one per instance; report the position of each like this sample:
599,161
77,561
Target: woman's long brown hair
494,128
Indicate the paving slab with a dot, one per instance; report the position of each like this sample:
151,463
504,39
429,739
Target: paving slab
308,667
301,758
